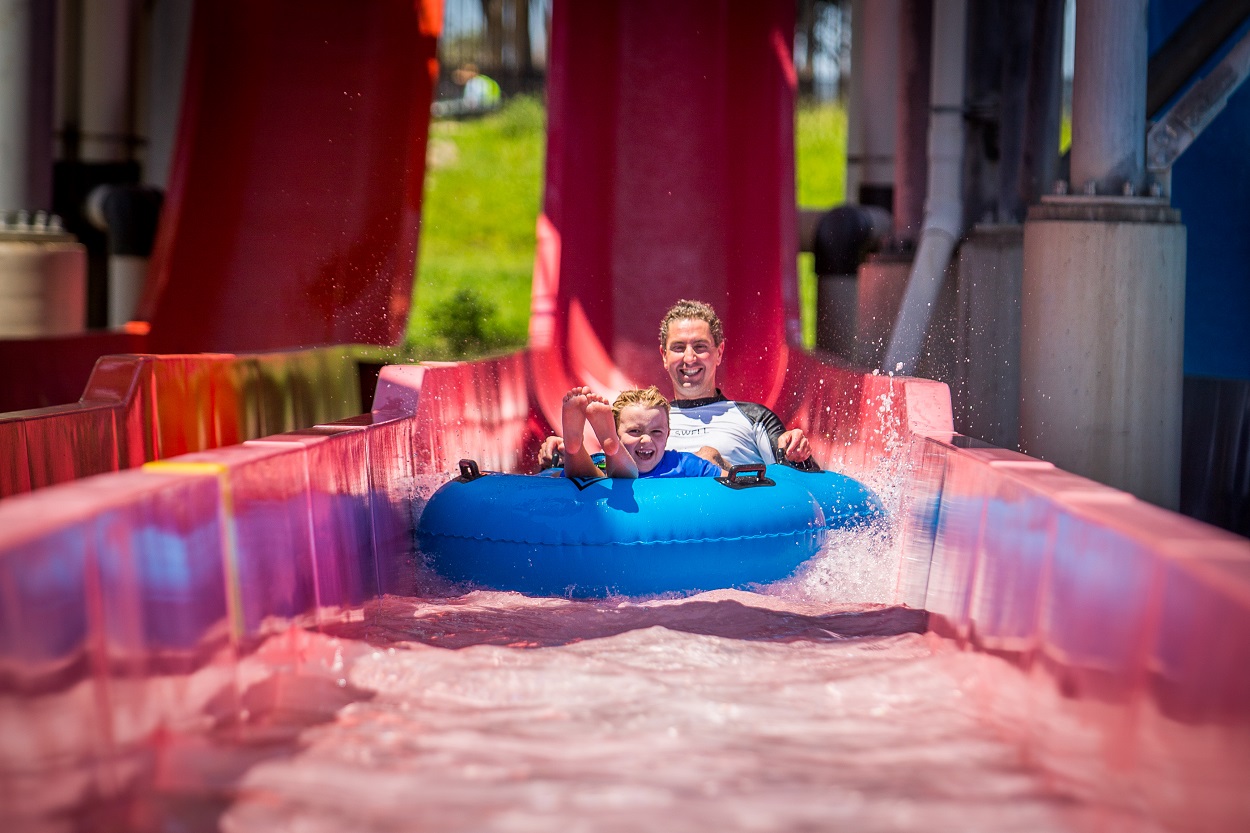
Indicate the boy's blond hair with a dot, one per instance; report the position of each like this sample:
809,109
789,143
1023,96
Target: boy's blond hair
696,311
648,398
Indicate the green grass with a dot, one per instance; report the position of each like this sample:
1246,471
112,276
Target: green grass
483,192
820,182
820,154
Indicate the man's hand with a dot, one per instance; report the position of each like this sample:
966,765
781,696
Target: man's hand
547,451
794,445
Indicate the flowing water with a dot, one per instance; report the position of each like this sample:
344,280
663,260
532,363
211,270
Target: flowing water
805,706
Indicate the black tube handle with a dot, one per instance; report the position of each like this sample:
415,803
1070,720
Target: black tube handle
746,477
469,471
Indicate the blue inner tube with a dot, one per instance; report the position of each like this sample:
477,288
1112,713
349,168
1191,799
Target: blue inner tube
553,536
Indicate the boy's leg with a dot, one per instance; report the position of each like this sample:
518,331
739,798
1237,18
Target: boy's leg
599,415
577,462
573,419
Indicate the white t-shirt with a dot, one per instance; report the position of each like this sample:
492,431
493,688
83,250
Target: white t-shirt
743,432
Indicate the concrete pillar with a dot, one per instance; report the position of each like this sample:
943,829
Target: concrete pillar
43,282
882,283
985,392
1102,310
169,37
911,167
26,94
836,301
1102,325
1109,97
874,79
106,101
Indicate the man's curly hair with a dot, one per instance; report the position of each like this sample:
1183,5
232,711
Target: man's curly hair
696,310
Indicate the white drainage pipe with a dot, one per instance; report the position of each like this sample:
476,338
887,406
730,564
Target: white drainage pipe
943,213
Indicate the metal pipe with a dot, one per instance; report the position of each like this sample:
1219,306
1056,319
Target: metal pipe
943,220
106,102
1039,164
841,238
870,130
1109,97
26,29
129,214
169,39
15,69
912,119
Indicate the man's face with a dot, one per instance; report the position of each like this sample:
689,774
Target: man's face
691,358
644,433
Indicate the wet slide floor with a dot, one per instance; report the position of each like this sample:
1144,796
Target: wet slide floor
726,710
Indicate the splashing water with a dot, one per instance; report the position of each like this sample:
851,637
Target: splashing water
810,704
727,710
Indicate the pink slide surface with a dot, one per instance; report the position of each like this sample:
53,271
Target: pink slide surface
206,533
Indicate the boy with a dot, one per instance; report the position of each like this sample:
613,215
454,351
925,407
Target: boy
633,432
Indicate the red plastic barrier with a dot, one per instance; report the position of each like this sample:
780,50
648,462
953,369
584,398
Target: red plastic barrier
53,370
141,408
856,420
1138,617
268,549
333,465
487,411
112,592
59,444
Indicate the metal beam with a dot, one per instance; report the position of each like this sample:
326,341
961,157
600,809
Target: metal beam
1197,108
1193,42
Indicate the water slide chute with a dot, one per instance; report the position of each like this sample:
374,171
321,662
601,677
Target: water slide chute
131,600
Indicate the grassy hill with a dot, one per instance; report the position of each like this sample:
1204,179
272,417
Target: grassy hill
483,192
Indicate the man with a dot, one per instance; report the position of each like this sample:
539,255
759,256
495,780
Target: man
692,345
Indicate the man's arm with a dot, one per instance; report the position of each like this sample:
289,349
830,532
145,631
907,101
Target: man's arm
789,447
714,457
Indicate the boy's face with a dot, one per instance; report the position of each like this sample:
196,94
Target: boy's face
691,357
644,433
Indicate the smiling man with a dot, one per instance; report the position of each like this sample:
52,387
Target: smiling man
692,346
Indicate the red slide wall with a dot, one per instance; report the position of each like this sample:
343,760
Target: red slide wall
129,599
295,197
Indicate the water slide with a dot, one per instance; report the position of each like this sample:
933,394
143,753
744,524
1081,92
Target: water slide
200,519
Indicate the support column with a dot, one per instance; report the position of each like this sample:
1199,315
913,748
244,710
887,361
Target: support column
1109,97
1102,311
985,389
26,33
1102,318
911,166
870,131
647,202
106,106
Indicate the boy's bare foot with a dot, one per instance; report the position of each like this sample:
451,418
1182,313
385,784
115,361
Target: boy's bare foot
573,419
599,414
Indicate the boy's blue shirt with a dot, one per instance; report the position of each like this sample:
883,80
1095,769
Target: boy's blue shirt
682,464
